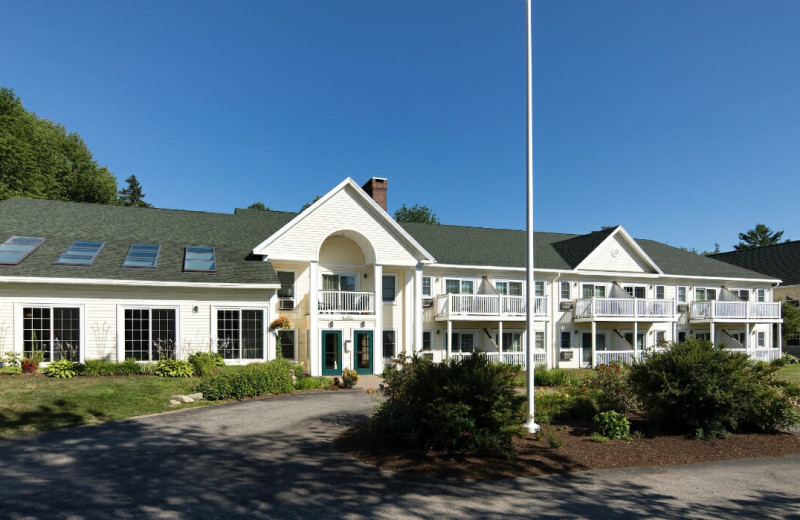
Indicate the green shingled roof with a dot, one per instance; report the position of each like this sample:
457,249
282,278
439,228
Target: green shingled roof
779,260
60,223
507,248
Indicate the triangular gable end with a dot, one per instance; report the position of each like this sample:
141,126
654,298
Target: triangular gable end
619,252
346,209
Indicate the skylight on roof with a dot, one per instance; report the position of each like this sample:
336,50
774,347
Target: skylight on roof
15,249
80,253
142,255
199,258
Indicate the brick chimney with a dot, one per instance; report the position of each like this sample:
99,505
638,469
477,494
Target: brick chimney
376,188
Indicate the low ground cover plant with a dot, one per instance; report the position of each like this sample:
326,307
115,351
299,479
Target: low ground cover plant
613,425
61,369
709,391
468,405
174,368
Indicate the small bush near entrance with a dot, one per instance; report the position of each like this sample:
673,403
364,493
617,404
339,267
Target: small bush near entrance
613,425
614,391
460,405
206,363
706,390
253,380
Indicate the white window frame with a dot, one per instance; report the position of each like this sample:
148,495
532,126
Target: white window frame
685,294
506,347
355,274
642,333
595,285
294,289
661,337
431,347
461,332
635,286
430,286
121,327
761,339
460,279
705,289
394,299
738,292
761,295
663,292
294,359
265,340
561,286
387,361
19,336
507,281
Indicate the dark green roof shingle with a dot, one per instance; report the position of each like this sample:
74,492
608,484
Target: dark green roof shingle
779,260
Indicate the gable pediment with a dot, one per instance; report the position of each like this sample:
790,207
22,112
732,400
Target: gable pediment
618,253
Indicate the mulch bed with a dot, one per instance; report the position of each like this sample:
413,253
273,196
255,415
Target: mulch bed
577,453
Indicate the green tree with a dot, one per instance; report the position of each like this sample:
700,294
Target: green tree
132,195
308,204
759,236
416,213
39,159
258,206
791,320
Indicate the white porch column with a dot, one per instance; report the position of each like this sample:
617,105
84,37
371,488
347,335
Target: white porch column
500,339
713,331
547,362
449,338
747,338
408,314
271,337
314,357
674,331
418,309
635,337
594,342
779,340
377,344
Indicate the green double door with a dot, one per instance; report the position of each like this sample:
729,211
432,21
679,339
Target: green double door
332,352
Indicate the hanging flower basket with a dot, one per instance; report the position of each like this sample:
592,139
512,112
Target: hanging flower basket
281,323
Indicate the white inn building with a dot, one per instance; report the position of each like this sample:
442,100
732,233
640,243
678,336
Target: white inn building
111,282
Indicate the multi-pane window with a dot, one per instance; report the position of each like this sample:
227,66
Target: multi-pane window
512,341
538,288
240,333
682,294
388,346
637,291
761,295
738,336
458,286
150,334
286,292
52,331
338,282
288,344
660,290
427,340
661,337
426,286
761,339
462,342
566,293
705,294
507,288
743,294
538,340
389,288
594,291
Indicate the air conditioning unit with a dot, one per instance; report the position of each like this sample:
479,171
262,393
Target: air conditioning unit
286,305
565,306
683,307
566,355
427,303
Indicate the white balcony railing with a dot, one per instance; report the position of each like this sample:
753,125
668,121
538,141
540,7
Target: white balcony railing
626,357
598,308
346,302
487,305
509,358
758,354
735,310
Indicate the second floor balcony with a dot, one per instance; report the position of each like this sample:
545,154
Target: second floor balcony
479,306
624,309
716,310
346,302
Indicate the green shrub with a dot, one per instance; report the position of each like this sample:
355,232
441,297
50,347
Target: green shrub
174,368
790,359
596,437
128,367
313,383
256,379
613,425
10,369
778,362
466,405
206,363
147,369
60,369
614,389
13,359
554,439
697,387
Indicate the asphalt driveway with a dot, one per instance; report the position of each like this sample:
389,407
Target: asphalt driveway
273,458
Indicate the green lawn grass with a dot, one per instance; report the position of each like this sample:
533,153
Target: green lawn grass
30,405
789,373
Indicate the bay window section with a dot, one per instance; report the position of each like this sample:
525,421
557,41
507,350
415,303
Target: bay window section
150,334
53,332
240,334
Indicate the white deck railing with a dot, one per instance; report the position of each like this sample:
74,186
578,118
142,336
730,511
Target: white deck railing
626,357
487,305
759,354
509,358
346,302
735,310
624,308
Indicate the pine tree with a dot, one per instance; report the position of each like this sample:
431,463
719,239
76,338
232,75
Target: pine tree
132,195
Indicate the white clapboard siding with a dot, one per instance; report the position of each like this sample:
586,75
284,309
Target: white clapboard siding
615,254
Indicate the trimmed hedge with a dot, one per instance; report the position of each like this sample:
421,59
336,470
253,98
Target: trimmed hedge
253,380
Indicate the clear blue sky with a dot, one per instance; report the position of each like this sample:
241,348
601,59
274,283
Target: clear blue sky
679,120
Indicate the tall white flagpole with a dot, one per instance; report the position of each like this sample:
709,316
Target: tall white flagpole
529,341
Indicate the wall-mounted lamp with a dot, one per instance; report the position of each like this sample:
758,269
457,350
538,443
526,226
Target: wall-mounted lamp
576,284
576,332
195,309
362,324
438,331
330,324
365,276
651,287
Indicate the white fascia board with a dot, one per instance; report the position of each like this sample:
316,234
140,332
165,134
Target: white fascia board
631,242
723,278
134,283
261,249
